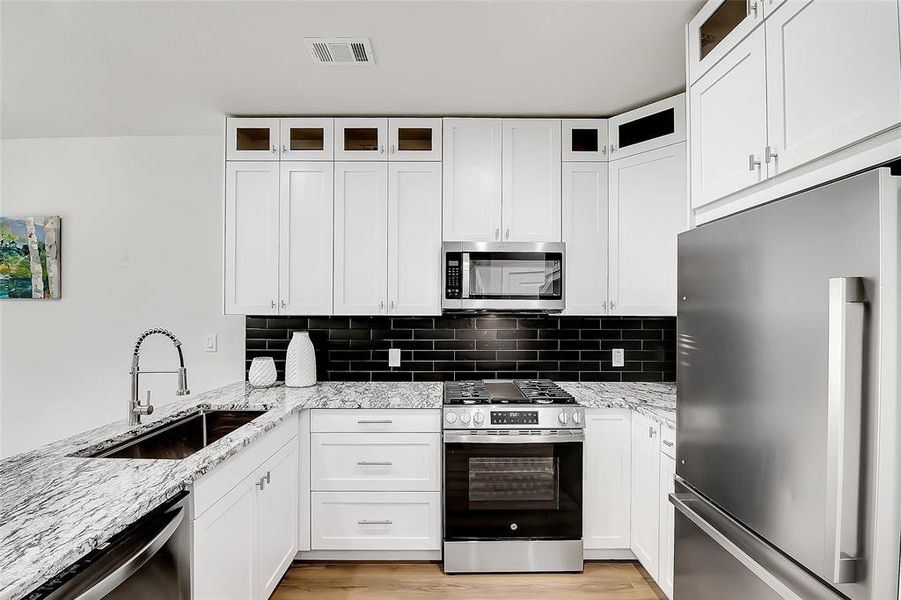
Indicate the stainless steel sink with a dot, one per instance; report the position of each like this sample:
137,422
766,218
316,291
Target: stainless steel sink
181,438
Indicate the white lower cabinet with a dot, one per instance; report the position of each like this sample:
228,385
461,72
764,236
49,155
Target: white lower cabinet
667,524
645,530
607,479
277,508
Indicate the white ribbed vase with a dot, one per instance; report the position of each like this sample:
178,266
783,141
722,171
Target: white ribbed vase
262,372
300,363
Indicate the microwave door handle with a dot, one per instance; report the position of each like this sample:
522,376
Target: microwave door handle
465,276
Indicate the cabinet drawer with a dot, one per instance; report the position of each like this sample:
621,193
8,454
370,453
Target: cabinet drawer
668,441
376,521
376,420
376,462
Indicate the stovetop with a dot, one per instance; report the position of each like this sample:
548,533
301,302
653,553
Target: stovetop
505,391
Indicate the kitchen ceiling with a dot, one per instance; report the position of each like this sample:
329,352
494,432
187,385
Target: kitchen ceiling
88,68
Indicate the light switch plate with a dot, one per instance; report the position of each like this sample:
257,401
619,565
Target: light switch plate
211,343
619,357
394,357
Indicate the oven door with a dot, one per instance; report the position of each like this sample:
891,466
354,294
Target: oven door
497,487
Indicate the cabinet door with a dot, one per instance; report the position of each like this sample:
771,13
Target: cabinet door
251,139
305,250
361,238
585,227
648,209
414,139
277,512
653,126
307,139
717,28
584,139
361,139
251,238
531,180
833,76
667,525
645,492
414,238
607,479
225,547
472,180
728,123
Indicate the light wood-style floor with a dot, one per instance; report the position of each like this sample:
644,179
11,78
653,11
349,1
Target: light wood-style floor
425,581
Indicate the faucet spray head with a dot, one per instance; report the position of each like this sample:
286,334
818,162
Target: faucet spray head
182,382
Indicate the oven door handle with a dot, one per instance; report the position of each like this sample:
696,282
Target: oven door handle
544,438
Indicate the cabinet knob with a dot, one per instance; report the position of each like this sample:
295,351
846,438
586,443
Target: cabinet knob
284,149
393,305
753,164
272,304
274,149
769,155
392,149
612,305
754,9
507,233
381,148
612,148
497,233
381,305
284,304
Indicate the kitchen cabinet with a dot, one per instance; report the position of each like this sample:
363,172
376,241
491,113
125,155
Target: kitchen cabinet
252,139
645,493
648,127
584,139
585,232
833,77
728,123
607,479
414,238
306,208
718,27
251,237
531,180
667,524
361,139
361,238
648,209
307,139
472,180
414,139
277,514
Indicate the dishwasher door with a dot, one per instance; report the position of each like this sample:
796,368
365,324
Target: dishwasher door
151,559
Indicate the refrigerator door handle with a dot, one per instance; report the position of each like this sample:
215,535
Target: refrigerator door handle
844,405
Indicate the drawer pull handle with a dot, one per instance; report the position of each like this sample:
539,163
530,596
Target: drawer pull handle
372,463
385,522
374,421
667,443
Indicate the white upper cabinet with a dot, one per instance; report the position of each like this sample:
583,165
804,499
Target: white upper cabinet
531,180
472,180
584,139
728,123
252,139
305,238
361,238
607,479
361,139
653,126
833,76
414,238
718,27
307,139
645,532
251,237
648,209
414,139
585,226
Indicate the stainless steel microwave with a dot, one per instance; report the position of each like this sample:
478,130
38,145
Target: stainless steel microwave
503,276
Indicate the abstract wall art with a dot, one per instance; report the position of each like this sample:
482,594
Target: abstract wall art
29,257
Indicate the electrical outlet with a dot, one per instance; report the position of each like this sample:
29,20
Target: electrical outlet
394,357
211,343
619,357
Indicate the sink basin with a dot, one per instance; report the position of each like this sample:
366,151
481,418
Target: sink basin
183,437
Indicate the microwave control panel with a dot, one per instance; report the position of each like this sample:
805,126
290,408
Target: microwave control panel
453,274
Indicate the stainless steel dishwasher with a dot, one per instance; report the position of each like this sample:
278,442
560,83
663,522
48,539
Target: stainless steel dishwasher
151,559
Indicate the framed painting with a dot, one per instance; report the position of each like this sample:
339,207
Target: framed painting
29,257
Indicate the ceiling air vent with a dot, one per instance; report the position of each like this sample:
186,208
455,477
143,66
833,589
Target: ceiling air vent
341,51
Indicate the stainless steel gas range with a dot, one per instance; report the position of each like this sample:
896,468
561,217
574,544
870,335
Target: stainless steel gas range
512,477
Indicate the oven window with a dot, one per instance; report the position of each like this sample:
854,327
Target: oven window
505,481
516,275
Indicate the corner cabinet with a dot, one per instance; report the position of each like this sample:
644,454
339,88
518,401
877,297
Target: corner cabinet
646,128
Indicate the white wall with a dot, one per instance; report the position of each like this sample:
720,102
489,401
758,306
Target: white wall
141,240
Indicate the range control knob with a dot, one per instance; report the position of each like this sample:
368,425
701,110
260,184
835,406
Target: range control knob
562,417
451,417
478,418
464,418
577,417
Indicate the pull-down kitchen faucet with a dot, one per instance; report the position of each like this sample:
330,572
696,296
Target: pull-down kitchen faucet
135,408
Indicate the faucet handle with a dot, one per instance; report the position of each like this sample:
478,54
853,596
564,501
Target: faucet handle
144,409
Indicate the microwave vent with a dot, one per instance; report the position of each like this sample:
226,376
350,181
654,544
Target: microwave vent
341,51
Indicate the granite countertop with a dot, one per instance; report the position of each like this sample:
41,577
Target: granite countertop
55,507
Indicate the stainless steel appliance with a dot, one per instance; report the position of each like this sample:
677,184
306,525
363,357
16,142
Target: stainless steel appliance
788,400
149,560
512,477
493,276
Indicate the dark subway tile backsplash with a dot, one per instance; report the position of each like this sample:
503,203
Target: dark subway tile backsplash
474,347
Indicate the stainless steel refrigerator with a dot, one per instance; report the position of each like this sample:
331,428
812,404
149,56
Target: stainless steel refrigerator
788,457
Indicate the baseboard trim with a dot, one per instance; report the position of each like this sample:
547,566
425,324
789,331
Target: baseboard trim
608,554
371,555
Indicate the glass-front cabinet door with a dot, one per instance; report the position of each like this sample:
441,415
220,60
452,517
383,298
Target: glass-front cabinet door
307,139
585,140
252,139
361,139
414,139
718,27
653,126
